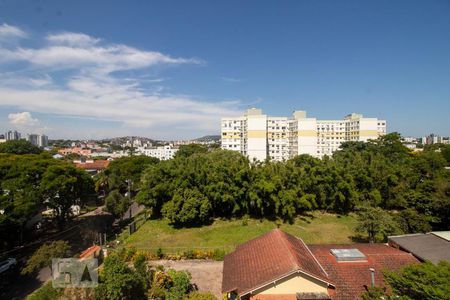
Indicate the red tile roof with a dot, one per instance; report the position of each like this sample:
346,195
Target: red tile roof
352,277
96,165
91,251
276,254
264,259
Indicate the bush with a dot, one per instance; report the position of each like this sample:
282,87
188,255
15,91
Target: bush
129,254
46,292
189,254
421,281
201,296
159,253
245,220
218,255
181,281
156,293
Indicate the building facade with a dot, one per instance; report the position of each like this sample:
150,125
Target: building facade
160,152
12,135
259,136
434,139
39,140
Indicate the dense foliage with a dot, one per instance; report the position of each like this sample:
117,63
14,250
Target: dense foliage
381,173
116,176
120,280
30,183
43,256
376,223
19,147
415,282
421,281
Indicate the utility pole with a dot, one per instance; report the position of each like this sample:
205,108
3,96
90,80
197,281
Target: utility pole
129,193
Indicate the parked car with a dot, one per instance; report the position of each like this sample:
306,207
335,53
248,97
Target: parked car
8,264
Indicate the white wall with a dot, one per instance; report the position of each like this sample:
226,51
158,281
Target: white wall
257,137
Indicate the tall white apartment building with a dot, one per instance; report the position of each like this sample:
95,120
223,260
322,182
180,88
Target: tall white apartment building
259,136
39,140
12,135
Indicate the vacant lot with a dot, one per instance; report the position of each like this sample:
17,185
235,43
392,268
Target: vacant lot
318,228
206,274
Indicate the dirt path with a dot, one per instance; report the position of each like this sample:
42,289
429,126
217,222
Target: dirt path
206,274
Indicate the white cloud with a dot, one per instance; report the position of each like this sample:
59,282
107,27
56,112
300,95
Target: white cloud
89,88
22,119
75,50
72,39
8,31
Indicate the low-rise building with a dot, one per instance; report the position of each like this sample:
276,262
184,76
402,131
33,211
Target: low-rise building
278,265
433,246
92,166
160,152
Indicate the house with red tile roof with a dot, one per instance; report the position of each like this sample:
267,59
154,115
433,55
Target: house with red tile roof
278,265
92,166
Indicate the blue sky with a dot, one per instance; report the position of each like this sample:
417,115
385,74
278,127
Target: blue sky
171,69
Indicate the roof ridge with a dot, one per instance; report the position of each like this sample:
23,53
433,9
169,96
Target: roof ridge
315,259
290,250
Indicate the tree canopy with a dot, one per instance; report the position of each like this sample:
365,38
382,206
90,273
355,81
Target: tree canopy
19,147
30,183
380,173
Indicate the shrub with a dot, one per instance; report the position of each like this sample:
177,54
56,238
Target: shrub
159,253
156,293
245,220
46,292
218,254
181,281
189,254
129,254
201,296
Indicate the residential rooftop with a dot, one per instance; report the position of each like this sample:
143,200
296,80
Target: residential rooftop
278,265
434,246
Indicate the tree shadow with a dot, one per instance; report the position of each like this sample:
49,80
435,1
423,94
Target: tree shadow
357,238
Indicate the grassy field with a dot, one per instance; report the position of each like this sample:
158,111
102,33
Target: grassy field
319,228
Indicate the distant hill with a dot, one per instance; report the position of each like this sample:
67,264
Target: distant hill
123,139
208,138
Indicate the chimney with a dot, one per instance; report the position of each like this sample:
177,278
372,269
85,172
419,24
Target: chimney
372,276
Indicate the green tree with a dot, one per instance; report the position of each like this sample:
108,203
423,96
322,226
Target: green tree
120,170
445,151
180,284
63,186
118,281
377,293
19,147
188,150
410,221
421,281
20,197
376,223
187,207
116,203
43,256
